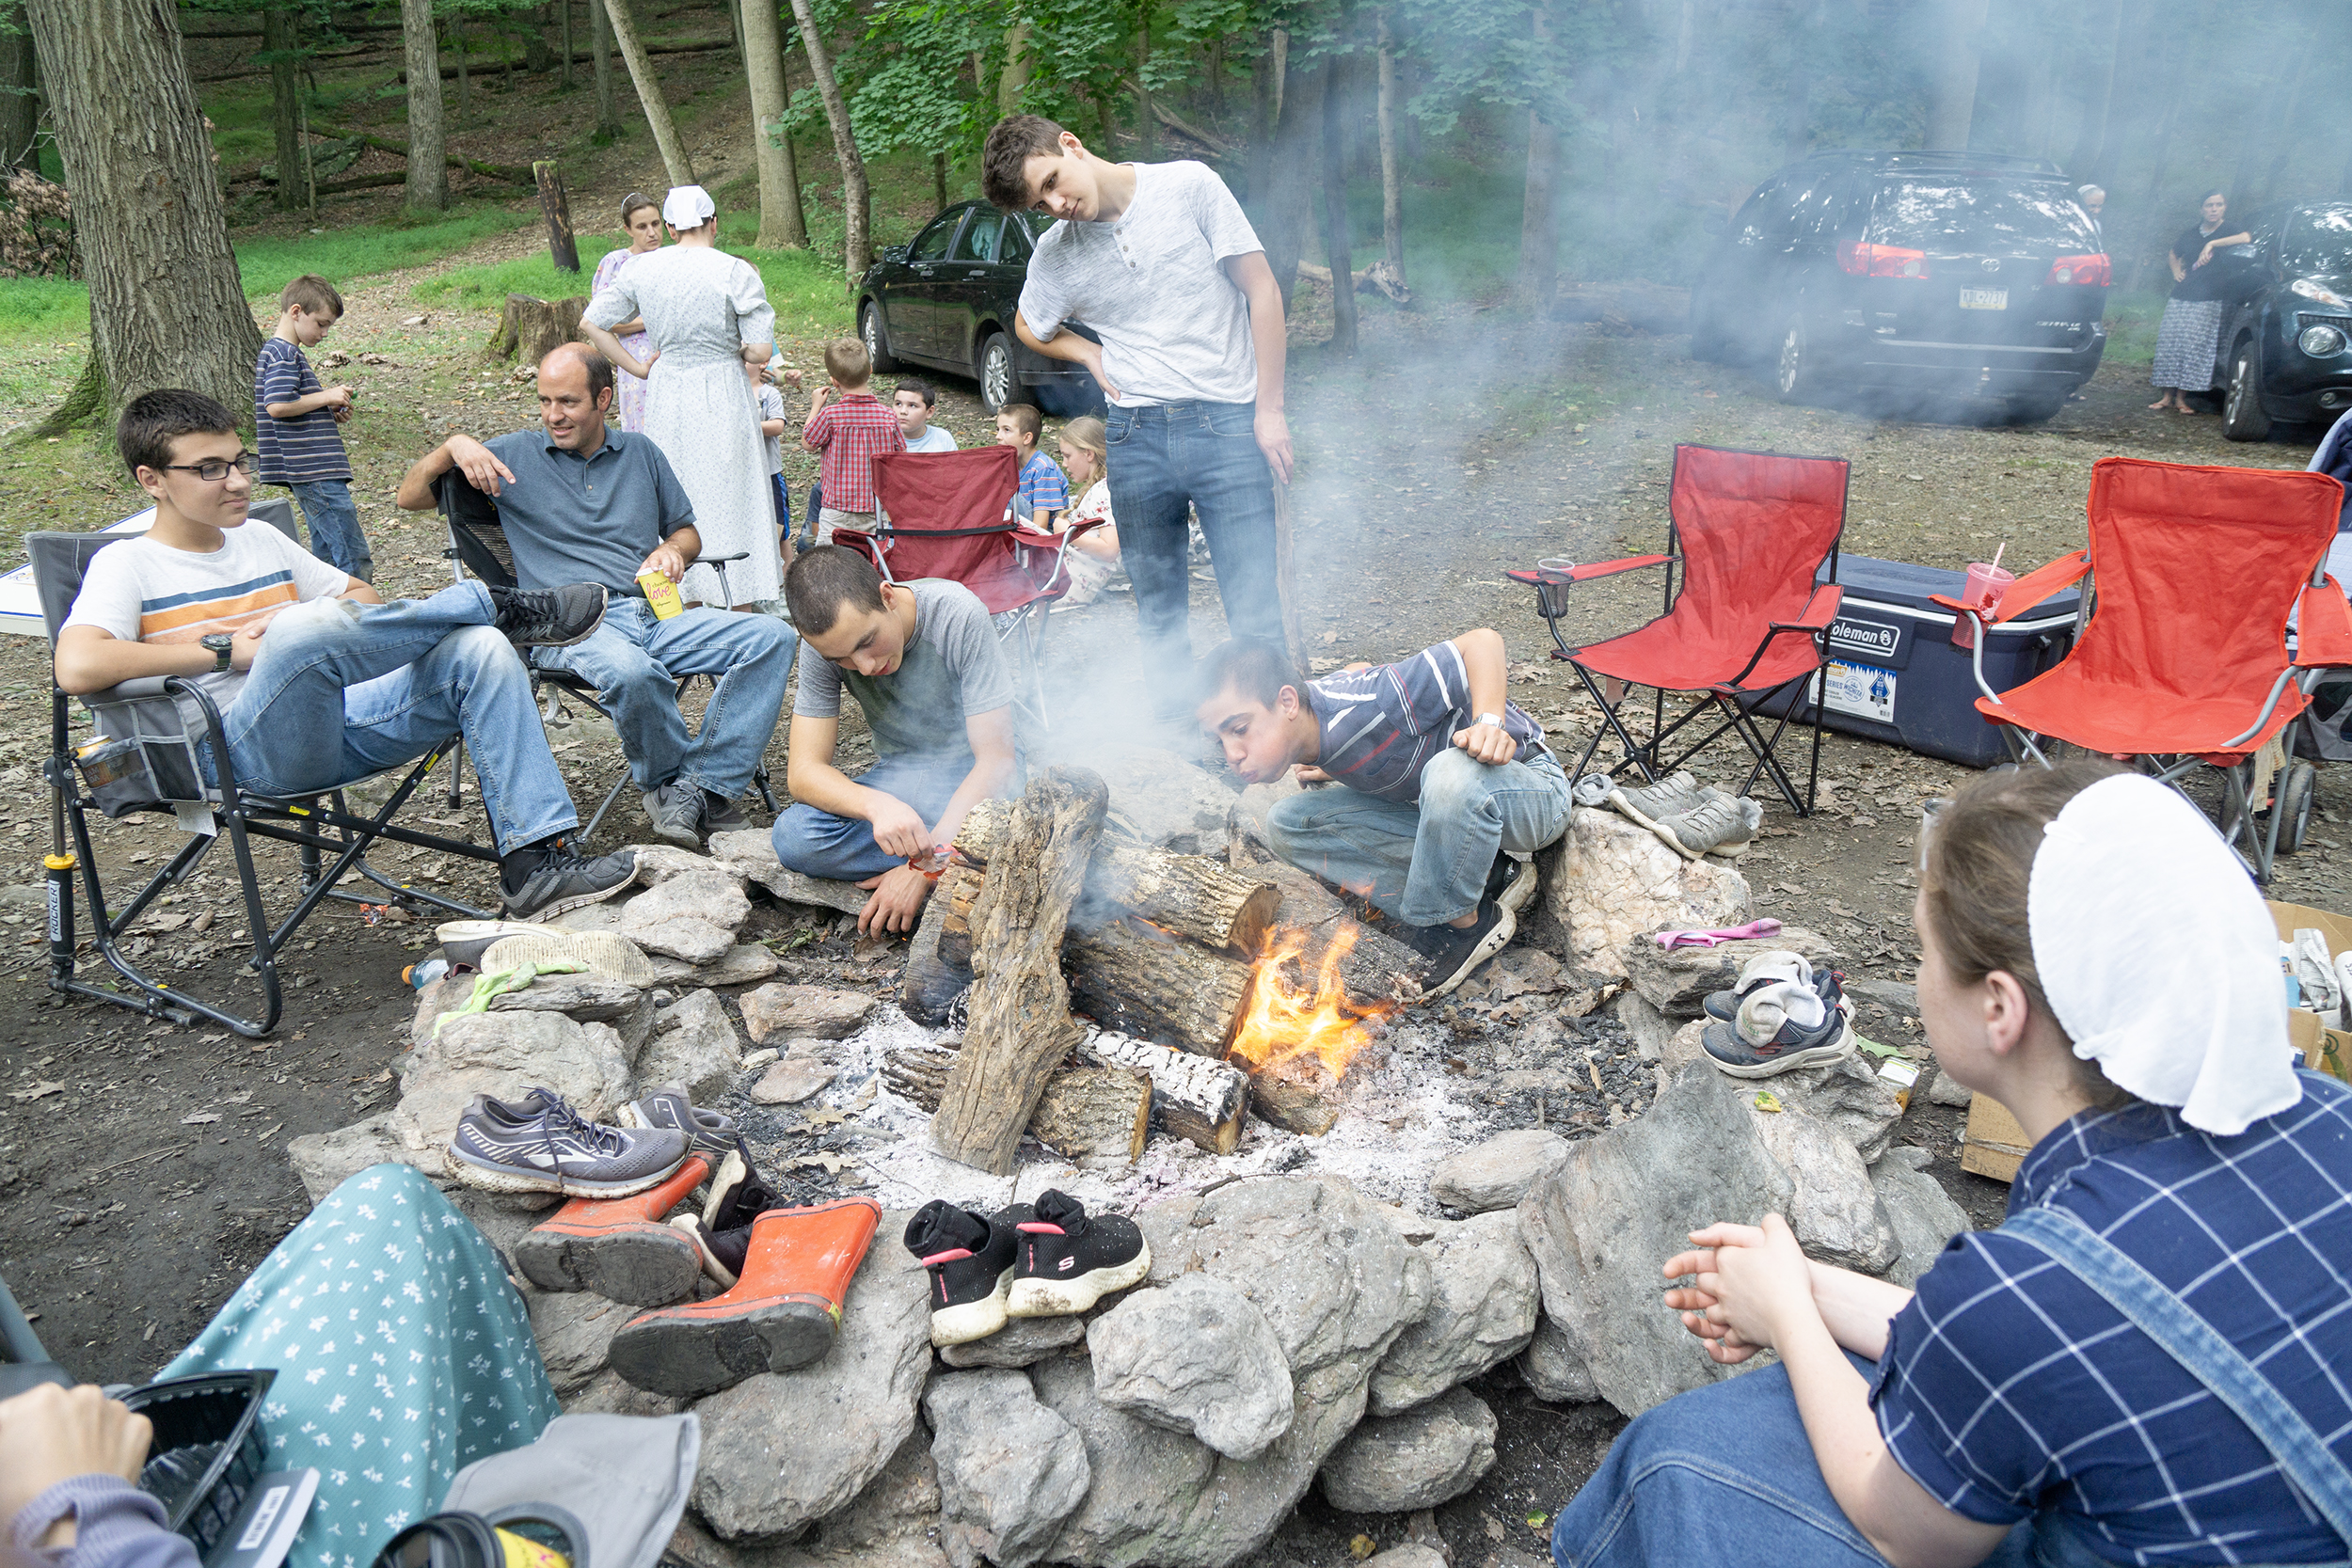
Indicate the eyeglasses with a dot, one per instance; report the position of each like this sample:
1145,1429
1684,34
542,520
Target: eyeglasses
212,470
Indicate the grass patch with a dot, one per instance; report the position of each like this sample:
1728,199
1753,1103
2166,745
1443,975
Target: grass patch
2132,319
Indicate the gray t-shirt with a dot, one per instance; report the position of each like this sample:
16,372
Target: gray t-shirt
1174,327
573,519
953,669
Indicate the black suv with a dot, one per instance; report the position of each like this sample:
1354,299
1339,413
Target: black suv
2287,348
1933,274
946,301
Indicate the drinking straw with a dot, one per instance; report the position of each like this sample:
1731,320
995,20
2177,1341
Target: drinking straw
1996,555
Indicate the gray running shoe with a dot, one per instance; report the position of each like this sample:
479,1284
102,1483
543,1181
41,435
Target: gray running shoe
541,1145
1761,971
1765,1039
1718,824
710,1132
550,617
567,881
721,816
675,811
1650,804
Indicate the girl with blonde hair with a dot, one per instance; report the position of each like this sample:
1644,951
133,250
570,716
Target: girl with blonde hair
1086,457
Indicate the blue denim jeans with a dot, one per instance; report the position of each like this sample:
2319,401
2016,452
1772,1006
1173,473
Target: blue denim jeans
1163,457
1424,864
334,524
341,691
818,844
1726,1475
636,659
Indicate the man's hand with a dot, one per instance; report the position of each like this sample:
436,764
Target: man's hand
244,644
484,472
667,560
1274,440
1090,354
1751,1278
1307,773
1489,743
49,1435
897,901
900,829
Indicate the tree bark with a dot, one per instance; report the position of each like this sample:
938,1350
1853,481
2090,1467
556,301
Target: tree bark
1142,982
1953,85
1020,1026
1336,245
600,46
857,200
1290,201
1083,1111
1539,234
19,95
2089,164
1204,1102
166,308
428,176
673,160
1392,186
1261,135
556,207
564,38
1188,896
781,220
1014,79
285,93
531,327
938,181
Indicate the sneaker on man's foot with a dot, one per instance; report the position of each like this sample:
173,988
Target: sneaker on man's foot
970,1258
550,617
1718,824
675,811
1511,882
1456,952
722,816
563,878
541,1145
710,1132
1780,1027
1069,1259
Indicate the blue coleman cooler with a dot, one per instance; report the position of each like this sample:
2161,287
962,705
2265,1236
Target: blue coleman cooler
1894,674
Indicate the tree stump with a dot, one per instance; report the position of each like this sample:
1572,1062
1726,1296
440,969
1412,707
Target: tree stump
535,327
1020,1026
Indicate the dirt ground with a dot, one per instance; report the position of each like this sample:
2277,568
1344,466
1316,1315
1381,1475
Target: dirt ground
141,1163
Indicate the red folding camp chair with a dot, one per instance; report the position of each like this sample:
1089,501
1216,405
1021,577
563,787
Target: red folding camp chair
2184,662
1750,531
943,516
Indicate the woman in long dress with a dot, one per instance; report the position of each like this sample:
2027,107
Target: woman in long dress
707,314
640,220
2189,336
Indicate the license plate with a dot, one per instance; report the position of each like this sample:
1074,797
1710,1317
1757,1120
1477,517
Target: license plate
1984,299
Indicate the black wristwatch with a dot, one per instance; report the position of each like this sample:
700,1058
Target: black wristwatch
219,643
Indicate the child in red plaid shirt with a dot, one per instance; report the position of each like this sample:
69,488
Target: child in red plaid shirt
850,433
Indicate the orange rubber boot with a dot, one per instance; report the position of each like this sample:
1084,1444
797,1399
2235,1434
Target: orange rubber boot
782,1311
618,1247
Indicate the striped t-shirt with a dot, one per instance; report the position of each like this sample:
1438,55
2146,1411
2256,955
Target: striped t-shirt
1381,726
306,447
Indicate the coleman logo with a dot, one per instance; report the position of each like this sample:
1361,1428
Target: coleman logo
1870,638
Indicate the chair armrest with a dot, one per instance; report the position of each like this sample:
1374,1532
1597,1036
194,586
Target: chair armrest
1817,614
145,685
1598,568
2323,622
2027,591
721,560
1030,538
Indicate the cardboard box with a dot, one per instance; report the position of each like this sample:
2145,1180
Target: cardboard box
2327,1049
1994,1144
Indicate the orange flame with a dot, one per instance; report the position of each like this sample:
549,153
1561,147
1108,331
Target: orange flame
1285,1021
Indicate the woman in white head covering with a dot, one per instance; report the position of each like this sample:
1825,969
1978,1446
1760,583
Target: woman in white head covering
707,313
2142,1363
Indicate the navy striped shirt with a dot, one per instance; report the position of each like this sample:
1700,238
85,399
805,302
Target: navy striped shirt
306,447
2008,1385
1381,726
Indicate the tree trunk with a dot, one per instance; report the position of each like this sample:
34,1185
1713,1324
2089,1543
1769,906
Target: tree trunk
20,97
1020,1026
1539,234
2089,162
1260,137
166,308
1391,188
556,207
1014,79
1141,982
600,46
428,176
673,160
564,32
1290,202
1216,80
938,181
1336,245
1083,1111
857,200
285,94
781,220
1952,87
465,74
531,328
1281,52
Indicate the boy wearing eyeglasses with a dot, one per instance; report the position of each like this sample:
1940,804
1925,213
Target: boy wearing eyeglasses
293,423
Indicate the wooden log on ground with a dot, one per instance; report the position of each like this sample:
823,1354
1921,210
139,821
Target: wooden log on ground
531,327
1300,1099
1085,1112
1136,980
1193,1098
1020,1026
929,983
1189,894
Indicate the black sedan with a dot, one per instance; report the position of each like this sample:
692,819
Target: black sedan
2287,348
946,301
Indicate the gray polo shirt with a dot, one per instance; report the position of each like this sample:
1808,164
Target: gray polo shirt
594,519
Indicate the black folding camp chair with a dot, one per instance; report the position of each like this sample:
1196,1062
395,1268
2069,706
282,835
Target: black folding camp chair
144,759
478,544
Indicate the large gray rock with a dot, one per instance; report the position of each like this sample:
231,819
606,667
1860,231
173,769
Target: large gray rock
799,1076
1009,1469
1554,1368
503,1055
1833,1211
1163,801
575,1330
780,1012
1624,1203
1921,1214
752,855
1426,1456
1497,1173
1483,1313
743,964
1850,1097
1616,880
1944,1089
692,915
1020,1342
894,1523
1652,1030
1411,1554
1337,1283
695,1047
1677,983
1195,1356
761,1473
324,1161
608,1393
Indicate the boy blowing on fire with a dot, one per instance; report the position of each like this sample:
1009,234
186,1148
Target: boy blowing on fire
1448,785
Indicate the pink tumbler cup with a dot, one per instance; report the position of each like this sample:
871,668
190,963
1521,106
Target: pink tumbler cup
1986,584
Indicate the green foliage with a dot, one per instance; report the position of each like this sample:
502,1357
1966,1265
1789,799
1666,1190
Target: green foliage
805,288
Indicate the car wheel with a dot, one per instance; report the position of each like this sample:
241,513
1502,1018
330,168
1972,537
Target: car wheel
998,385
1792,369
2243,417
870,330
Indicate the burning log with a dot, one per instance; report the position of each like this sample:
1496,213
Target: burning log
1190,896
1301,1032
932,980
1305,1104
1020,1026
1195,1099
1083,1111
1133,977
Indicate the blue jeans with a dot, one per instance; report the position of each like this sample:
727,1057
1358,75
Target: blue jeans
1165,456
637,659
334,523
784,503
341,691
818,844
1726,1475
1423,865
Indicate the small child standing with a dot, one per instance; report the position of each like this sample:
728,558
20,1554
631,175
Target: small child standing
850,436
294,420
772,420
1043,492
913,402
1093,556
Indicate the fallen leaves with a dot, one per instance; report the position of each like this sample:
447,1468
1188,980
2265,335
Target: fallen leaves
1767,1100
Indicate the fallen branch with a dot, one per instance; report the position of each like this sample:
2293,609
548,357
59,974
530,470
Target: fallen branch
508,172
1379,277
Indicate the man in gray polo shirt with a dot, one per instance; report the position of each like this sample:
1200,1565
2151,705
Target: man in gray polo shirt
583,503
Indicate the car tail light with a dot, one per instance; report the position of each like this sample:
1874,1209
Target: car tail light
1863,260
2092,271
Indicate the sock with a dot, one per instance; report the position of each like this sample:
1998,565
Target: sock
517,864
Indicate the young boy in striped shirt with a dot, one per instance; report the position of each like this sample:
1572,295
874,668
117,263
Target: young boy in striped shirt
293,423
1449,786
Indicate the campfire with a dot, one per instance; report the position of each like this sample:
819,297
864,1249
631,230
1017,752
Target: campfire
1296,1040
